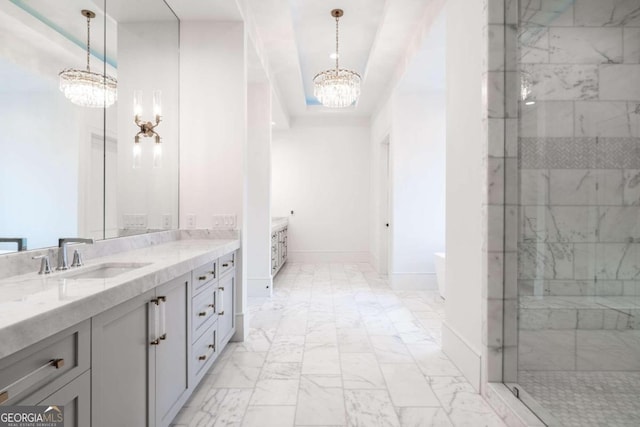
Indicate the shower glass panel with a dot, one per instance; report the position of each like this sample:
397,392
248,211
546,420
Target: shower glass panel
578,356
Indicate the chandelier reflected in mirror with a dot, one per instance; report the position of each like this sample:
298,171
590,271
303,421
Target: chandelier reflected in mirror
84,87
337,88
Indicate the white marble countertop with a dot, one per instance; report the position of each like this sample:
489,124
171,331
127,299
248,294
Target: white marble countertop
34,307
279,222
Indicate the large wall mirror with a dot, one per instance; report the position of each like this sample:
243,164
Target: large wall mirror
67,167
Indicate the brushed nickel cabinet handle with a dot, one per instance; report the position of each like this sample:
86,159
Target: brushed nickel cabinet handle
204,357
221,313
57,363
202,313
226,264
202,278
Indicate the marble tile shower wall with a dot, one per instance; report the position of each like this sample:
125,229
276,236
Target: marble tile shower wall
579,184
580,148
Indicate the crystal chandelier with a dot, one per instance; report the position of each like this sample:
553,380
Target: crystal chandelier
337,88
84,87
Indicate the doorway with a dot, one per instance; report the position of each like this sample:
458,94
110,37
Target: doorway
384,223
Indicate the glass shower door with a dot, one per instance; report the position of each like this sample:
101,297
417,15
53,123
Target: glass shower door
578,357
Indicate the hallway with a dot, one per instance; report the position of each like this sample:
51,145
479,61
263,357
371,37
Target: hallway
335,346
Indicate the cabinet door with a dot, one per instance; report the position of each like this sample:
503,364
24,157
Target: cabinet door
122,365
75,397
226,310
172,373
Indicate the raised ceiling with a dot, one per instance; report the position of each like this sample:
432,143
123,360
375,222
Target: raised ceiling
297,37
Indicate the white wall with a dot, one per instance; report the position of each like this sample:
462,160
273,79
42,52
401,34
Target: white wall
213,126
148,60
212,120
417,147
462,325
257,227
320,170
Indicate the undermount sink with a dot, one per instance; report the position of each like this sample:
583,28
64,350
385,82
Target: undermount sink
104,271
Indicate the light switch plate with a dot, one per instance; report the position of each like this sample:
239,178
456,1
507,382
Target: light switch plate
191,221
224,222
166,221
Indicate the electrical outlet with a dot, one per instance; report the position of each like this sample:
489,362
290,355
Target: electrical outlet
191,221
166,221
224,221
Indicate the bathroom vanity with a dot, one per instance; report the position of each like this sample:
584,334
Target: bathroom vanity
123,340
279,244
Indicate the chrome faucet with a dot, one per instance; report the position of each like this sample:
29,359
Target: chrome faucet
63,263
20,241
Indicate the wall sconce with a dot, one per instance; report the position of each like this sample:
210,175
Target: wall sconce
147,129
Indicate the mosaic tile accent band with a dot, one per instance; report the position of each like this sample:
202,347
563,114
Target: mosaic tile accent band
579,153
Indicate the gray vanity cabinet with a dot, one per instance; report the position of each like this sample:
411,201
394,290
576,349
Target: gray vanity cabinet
226,312
123,369
139,358
75,397
171,370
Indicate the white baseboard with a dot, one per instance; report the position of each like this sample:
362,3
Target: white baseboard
259,287
413,281
462,355
241,332
373,261
328,256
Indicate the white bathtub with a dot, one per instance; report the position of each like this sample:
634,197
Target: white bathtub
440,272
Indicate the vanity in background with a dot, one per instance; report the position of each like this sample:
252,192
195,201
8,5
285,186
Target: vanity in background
279,244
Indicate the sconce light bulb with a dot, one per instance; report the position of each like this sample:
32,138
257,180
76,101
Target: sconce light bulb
157,155
157,104
137,155
137,103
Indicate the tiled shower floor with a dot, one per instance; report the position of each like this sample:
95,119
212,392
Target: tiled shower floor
586,399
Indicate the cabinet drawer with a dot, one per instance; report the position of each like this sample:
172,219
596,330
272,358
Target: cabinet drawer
45,366
203,309
204,352
203,275
227,262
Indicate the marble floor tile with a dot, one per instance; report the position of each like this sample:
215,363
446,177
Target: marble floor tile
408,386
461,402
286,348
354,340
335,346
281,371
319,405
241,371
269,416
275,392
423,417
361,371
432,361
390,349
367,408
320,358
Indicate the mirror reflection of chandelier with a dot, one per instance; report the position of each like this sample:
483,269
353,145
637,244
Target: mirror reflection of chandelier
337,88
84,87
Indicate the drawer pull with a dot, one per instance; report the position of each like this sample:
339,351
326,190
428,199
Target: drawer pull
206,313
207,355
221,313
31,378
202,278
226,264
